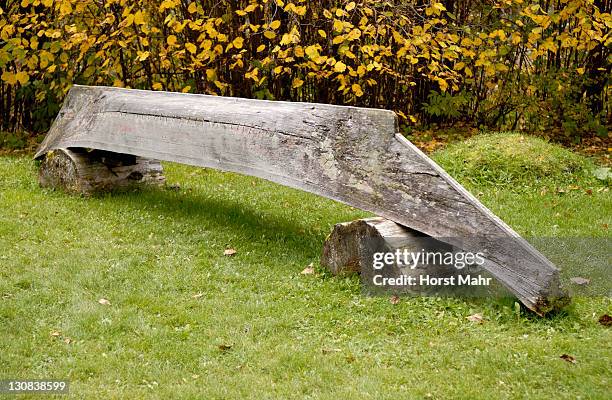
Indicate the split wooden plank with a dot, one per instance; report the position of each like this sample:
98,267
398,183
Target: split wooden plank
352,155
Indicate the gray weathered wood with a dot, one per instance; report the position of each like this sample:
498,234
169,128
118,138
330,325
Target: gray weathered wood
349,154
347,247
351,246
87,172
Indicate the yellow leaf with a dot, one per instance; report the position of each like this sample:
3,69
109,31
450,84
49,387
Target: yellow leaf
338,25
357,90
322,33
192,7
498,33
238,42
340,67
191,48
139,18
157,86
167,4
338,39
580,71
253,74
206,45
65,7
275,24
143,55
269,35
350,6
220,85
439,6
128,21
443,84
9,78
312,51
186,89
327,14
297,82
171,40
211,74
261,48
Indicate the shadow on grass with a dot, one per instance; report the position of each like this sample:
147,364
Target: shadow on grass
278,231
279,234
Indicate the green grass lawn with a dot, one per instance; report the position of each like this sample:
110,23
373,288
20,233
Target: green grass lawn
185,321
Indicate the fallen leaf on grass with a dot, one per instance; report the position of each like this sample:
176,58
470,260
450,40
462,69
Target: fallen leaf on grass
477,318
197,296
580,280
56,333
104,302
309,270
229,252
394,300
605,320
225,347
67,340
327,351
568,358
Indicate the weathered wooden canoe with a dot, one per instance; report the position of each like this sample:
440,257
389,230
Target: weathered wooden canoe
353,155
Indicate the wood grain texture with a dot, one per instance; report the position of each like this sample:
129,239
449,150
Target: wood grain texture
352,155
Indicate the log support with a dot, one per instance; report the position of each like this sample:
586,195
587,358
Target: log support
352,247
86,172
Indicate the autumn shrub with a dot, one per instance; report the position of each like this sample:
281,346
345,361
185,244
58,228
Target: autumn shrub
520,64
